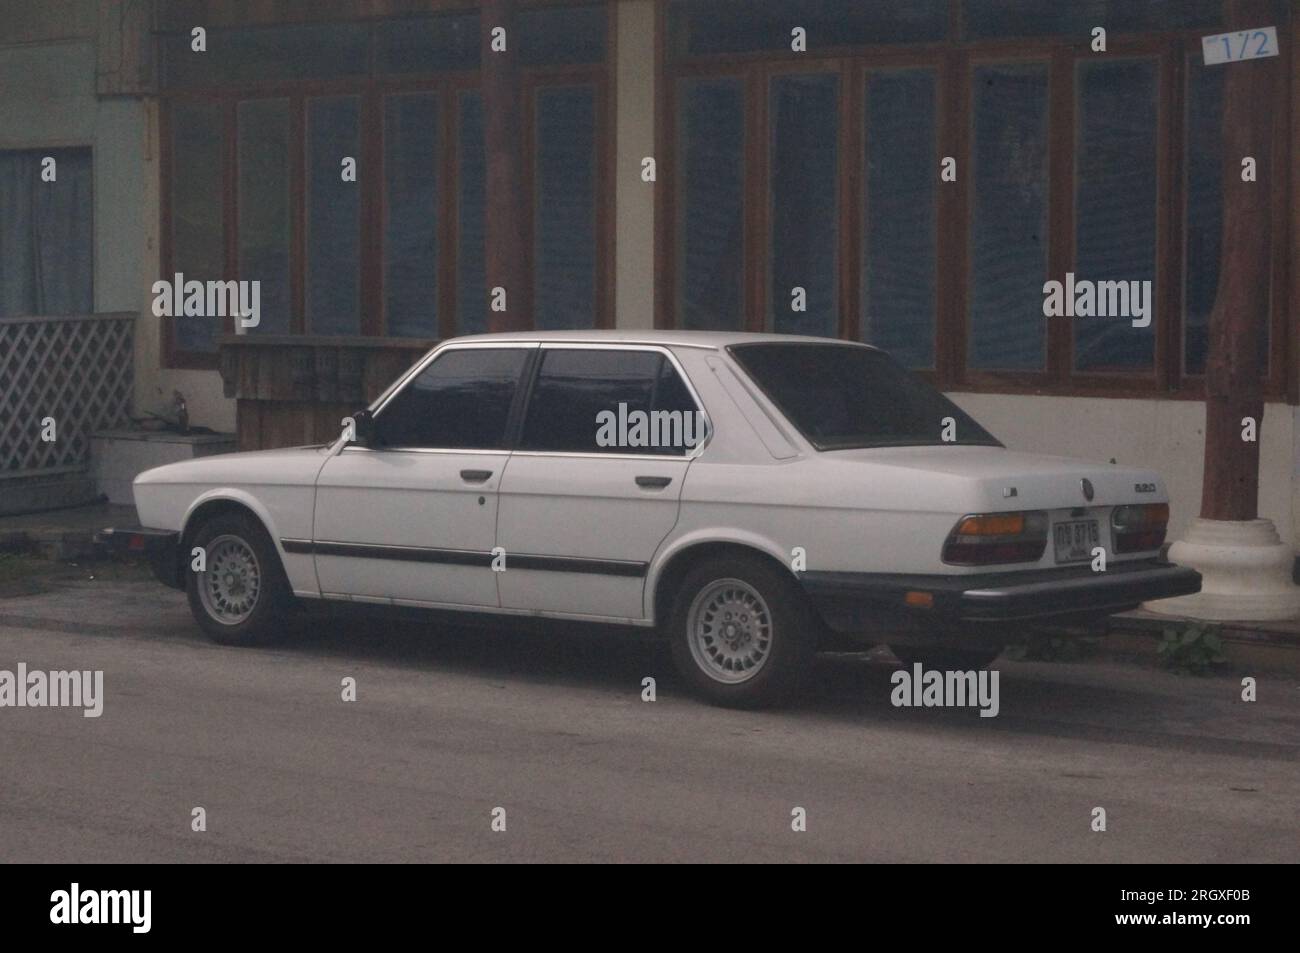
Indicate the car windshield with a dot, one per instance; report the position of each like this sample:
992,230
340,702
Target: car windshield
843,396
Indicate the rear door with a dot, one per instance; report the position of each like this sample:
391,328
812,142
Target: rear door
593,486
413,518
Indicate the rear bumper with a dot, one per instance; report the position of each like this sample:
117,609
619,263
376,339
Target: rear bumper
851,601
158,546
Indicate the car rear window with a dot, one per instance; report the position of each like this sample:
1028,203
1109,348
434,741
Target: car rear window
840,397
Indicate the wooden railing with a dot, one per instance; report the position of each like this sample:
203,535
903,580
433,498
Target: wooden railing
292,390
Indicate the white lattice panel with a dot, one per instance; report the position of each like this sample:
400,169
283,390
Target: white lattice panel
77,370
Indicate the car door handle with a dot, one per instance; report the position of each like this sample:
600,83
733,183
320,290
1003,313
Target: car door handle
653,482
475,476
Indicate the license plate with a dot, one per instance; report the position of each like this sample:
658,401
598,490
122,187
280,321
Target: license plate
1076,540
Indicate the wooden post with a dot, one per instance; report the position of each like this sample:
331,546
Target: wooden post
506,255
1233,375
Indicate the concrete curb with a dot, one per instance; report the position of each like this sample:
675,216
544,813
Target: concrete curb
1274,646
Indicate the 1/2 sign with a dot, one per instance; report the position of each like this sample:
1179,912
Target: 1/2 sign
1242,45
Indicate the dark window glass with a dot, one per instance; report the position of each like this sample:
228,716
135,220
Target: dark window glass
271,53
1115,206
264,207
710,204
547,36
565,221
428,44
459,402
1008,229
579,391
841,396
561,35
805,203
333,217
737,26
899,216
1204,207
46,240
994,18
411,223
471,269
198,250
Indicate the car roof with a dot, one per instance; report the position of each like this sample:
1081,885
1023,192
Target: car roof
704,339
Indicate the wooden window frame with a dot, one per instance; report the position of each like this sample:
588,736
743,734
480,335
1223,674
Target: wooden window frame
954,61
371,90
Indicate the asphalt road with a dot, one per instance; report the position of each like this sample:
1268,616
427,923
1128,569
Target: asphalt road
549,724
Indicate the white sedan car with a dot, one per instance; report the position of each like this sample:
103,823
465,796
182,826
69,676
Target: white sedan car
754,497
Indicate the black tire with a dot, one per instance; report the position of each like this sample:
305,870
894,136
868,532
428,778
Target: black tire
263,620
785,635
946,659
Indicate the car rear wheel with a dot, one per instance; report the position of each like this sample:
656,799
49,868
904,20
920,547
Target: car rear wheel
952,660
741,633
241,595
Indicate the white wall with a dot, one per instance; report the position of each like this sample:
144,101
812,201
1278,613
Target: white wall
155,384
634,199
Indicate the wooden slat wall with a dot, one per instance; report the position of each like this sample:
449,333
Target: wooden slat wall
296,391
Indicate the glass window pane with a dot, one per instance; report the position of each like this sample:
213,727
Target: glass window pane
333,297
46,241
459,402
804,161
1115,206
1204,207
1008,229
564,239
547,36
710,205
562,35
898,243
737,26
995,18
411,215
471,270
198,250
845,395
264,207
428,44
267,53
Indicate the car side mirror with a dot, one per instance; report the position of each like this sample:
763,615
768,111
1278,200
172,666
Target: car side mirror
362,429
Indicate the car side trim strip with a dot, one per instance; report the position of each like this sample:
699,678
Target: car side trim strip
467,557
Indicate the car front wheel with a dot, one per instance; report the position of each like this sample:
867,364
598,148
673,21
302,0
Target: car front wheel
741,633
240,596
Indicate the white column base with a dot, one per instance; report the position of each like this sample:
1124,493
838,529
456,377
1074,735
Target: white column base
1245,573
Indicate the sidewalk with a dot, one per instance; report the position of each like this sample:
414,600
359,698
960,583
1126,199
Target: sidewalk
64,534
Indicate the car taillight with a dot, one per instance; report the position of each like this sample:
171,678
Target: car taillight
991,538
1139,527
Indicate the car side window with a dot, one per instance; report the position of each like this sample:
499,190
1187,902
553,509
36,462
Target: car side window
610,401
459,402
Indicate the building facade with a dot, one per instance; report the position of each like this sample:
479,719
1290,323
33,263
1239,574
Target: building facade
907,174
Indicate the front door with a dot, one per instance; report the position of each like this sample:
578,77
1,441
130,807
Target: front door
412,518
